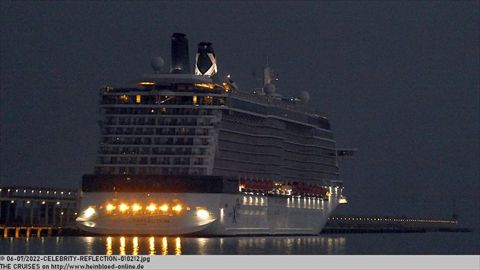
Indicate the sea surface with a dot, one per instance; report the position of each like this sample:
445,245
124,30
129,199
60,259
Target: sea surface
325,244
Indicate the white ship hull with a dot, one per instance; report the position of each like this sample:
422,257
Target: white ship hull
228,214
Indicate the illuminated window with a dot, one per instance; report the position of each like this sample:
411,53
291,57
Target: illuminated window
194,100
208,100
205,85
124,99
146,83
226,86
138,98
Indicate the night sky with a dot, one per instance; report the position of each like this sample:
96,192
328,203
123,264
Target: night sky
398,79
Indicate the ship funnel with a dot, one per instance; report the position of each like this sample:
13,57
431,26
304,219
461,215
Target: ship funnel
180,58
205,61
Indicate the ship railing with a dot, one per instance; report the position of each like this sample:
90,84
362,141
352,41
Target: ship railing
275,102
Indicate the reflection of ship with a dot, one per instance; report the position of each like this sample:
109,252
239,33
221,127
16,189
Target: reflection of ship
136,246
184,153
122,245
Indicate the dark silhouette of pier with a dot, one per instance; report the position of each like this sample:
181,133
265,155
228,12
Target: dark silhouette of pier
37,206
379,224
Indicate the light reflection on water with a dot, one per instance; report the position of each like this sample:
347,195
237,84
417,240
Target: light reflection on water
135,246
141,245
151,246
224,245
109,246
164,246
154,245
426,243
88,240
178,246
122,246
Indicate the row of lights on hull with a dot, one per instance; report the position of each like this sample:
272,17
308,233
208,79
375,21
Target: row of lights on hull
151,208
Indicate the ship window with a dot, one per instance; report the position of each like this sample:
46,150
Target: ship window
138,98
208,100
194,100
124,98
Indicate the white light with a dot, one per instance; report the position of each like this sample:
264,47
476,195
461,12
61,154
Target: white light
89,212
28,202
12,201
58,203
89,224
203,214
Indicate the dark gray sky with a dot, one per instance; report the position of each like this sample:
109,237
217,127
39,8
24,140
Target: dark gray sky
399,80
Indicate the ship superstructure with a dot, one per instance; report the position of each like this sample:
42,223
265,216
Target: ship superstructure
184,153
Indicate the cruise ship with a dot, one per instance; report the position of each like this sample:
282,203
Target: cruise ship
187,152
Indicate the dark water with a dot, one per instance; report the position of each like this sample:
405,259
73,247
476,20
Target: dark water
389,243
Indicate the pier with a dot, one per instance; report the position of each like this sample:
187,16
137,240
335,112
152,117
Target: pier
36,207
378,224
37,231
